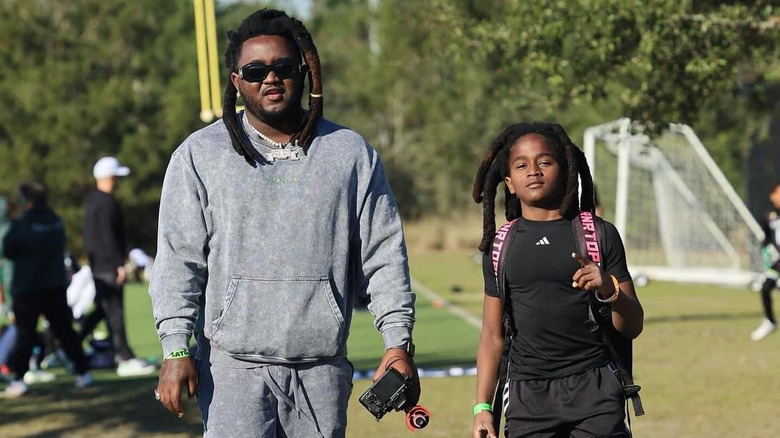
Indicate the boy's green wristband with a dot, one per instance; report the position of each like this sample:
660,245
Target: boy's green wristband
479,407
178,354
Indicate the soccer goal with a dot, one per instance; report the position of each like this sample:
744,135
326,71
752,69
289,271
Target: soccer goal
679,217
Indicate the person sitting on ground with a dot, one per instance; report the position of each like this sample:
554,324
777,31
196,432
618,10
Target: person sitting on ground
139,261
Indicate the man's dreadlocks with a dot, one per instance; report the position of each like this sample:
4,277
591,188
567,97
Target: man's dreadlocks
495,167
272,22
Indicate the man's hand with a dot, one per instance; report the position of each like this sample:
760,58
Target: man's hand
483,426
398,359
121,275
590,277
174,374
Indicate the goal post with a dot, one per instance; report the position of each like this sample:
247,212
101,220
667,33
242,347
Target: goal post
679,217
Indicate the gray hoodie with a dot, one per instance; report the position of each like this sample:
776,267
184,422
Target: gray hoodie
261,263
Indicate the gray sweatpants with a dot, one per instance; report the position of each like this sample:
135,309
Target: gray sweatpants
275,401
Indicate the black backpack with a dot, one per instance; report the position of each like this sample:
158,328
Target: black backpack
589,238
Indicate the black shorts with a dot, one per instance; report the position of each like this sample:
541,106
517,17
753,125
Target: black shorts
590,404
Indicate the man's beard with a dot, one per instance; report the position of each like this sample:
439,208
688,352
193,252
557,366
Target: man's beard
277,118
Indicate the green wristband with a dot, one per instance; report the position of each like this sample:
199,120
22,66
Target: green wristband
178,354
479,407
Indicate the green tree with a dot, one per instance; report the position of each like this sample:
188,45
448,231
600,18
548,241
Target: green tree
666,59
390,75
88,78
431,83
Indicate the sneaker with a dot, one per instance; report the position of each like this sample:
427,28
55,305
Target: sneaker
84,380
135,367
38,376
765,329
17,388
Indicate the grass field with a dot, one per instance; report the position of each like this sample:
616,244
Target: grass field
702,375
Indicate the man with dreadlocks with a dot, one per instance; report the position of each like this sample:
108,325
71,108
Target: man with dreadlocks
271,221
561,382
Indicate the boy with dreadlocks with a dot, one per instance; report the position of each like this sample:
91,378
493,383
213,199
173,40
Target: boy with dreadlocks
271,221
561,382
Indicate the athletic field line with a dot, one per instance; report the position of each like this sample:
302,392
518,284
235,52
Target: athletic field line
420,288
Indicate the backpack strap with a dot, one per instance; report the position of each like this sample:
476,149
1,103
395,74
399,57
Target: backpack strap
499,250
501,244
590,239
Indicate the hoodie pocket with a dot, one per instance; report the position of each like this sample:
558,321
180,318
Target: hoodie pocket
289,318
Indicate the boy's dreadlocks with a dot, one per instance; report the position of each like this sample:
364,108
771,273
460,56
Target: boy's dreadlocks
495,167
272,22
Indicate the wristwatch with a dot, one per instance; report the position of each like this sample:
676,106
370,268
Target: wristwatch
408,347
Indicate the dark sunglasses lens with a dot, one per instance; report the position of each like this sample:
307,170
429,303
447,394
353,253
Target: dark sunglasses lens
255,72
285,70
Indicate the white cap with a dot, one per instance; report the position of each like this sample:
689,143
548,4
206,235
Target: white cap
109,166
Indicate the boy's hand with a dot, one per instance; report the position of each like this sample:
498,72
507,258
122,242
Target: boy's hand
483,426
590,277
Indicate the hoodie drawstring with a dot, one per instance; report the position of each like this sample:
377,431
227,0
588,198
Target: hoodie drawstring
298,394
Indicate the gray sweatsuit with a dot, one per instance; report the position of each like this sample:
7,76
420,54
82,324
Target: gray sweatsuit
261,263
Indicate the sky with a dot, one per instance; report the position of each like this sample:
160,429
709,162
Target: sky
298,8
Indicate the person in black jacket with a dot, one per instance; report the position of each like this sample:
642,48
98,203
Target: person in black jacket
36,245
104,241
770,252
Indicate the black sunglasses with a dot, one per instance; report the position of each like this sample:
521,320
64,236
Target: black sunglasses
257,71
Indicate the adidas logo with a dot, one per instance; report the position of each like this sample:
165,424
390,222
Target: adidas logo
543,241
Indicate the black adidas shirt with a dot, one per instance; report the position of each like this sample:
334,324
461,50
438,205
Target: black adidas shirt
551,340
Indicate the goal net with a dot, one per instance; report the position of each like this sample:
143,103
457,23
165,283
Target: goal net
679,217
